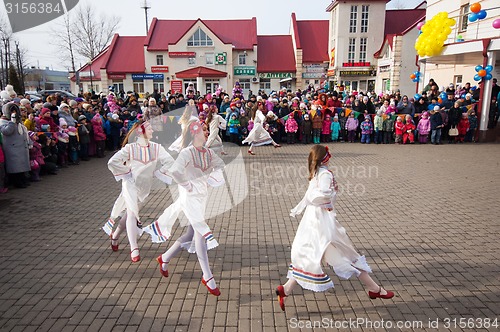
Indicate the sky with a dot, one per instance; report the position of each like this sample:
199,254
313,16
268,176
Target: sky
273,18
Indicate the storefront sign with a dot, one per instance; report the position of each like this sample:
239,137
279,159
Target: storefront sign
315,68
176,86
181,54
330,72
147,76
356,73
221,58
384,69
313,75
117,76
159,69
277,75
244,70
356,64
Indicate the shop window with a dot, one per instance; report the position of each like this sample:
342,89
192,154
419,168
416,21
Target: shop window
265,84
139,86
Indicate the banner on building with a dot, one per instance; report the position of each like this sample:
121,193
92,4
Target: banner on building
147,76
244,70
221,58
159,69
176,86
277,75
182,54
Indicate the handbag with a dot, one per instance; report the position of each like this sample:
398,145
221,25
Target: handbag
453,131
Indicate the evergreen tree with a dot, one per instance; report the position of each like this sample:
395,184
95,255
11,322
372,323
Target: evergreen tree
14,80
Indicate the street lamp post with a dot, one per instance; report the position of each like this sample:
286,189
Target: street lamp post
91,82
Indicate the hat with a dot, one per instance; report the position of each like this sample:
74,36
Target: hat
336,117
436,108
115,116
64,105
24,101
85,106
205,106
71,129
62,122
82,117
232,104
73,103
44,110
31,134
78,100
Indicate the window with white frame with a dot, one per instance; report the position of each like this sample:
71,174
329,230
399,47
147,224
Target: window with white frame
242,59
353,19
192,61
209,58
159,60
352,50
364,18
200,38
245,83
362,49
159,85
139,86
265,83
458,79
464,17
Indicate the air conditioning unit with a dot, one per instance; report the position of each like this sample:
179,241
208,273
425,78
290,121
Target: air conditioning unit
255,80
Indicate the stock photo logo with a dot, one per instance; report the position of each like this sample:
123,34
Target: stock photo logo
26,14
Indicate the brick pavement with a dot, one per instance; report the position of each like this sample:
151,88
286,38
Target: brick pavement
426,217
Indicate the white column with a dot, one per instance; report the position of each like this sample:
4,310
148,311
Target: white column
199,85
487,86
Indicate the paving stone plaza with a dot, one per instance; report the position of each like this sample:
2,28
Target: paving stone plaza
426,217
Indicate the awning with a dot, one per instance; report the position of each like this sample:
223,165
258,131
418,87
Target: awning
200,72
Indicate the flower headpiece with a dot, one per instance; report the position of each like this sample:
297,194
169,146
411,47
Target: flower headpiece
195,127
327,156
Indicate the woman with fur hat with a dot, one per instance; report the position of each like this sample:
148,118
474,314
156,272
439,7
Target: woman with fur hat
194,170
135,165
321,238
16,144
258,135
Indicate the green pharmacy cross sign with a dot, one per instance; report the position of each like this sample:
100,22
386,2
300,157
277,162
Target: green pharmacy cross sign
221,58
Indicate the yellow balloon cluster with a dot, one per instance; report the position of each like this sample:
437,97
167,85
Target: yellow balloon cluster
433,35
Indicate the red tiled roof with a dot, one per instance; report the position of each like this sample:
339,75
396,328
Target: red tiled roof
97,64
200,72
241,33
399,21
314,40
126,55
275,54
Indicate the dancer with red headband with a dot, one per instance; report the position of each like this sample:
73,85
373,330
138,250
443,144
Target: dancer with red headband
258,135
194,170
320,237
135,165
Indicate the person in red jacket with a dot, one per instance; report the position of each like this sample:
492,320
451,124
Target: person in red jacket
463,127
47,124
399,129
409,128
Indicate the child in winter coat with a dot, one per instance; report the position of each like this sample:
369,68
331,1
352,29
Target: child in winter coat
335,129
326,130
399,128
463,127
84,136
74,146
388,127
317,125
343,130
469,137
408,131
351,126
36,157
234,129
391,109
306,128
62,144
99,135
291,128
424,127
378,125
366,130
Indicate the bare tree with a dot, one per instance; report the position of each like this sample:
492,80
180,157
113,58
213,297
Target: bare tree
92,33
64,39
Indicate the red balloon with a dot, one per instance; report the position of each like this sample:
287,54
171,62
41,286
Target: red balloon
475,7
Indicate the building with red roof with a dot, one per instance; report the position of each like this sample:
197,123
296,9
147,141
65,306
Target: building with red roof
396,57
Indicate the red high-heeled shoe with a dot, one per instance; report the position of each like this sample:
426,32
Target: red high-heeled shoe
280,291
137,258
251,152
214,291
164,273
113,247
373,295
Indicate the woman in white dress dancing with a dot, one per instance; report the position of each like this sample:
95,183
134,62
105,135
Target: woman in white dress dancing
258,135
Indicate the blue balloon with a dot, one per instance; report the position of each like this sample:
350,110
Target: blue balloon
477,77
474,88
415,80
488,68
481,15
478,68
488,77
472,17
417,97
462,95
443,95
